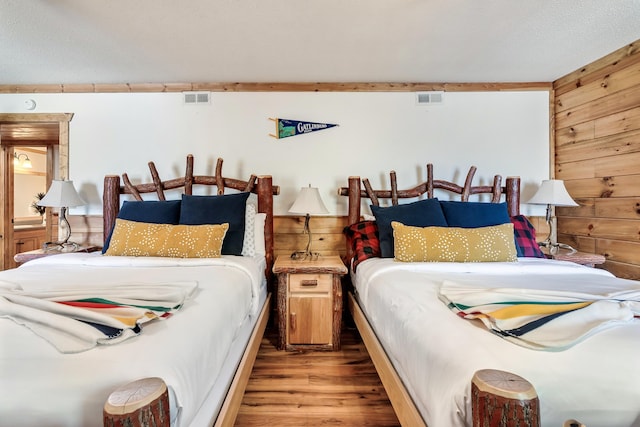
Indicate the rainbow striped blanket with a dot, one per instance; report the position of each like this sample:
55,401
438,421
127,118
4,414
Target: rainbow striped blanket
540,319
75,320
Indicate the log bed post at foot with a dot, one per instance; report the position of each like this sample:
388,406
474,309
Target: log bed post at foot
142,403
503,399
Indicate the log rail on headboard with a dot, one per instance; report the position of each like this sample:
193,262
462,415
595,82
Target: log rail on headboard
355,192
261,186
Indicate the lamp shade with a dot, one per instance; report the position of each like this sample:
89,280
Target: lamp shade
61,194
309,202
552,192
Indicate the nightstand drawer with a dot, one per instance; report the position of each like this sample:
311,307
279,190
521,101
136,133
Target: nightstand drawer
310,282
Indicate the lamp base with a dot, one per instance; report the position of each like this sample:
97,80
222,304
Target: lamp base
60,247
554,246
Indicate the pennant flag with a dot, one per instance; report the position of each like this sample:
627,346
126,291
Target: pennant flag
286,128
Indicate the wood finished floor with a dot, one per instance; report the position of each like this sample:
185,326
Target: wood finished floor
298,389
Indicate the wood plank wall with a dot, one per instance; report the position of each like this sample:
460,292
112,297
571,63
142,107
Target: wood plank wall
597,154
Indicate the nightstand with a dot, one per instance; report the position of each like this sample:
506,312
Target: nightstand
584,258
309,302
22,257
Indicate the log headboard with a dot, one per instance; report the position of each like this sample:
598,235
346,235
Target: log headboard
356,193
262,186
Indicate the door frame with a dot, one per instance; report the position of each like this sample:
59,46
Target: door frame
6,172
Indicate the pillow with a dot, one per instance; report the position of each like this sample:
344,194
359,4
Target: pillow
153,211
249,240
132,238
253,243
227,208
525,235
260,219
421,214
454,244
474,214
363,238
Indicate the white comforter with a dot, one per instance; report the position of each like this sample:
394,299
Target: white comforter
41,386
436,353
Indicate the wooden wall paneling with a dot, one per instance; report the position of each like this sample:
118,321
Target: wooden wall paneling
603,228
619,207
608,186
586,208
620,101
326,233
627,164
600,90
579,132
618,122
86,229
624,270
598,155
612,145
581,243
609,64
620,251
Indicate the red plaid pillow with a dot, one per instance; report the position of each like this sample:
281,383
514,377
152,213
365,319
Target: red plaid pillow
364,240
525,235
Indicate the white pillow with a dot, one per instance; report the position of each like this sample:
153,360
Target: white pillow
259,234
253,243
249,244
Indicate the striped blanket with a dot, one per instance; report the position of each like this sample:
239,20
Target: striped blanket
75,320
541,319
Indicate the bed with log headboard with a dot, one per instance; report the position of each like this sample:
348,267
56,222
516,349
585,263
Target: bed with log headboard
162,327
469,324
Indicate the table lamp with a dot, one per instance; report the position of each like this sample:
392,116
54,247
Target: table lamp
308,203
552,192
62,194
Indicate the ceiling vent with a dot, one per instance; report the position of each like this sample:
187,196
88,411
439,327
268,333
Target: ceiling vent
197,98
429,98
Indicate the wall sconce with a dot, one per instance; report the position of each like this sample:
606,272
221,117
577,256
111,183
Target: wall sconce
24,163
309,203
62,194
552,192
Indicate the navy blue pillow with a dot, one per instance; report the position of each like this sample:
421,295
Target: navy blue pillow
152,211
229,208
423,213
474,214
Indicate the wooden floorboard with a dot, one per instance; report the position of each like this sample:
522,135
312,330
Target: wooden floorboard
298,389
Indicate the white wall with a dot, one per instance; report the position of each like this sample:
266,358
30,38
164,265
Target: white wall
503,133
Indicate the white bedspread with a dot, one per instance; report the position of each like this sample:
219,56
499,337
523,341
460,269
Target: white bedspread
436,352
40,386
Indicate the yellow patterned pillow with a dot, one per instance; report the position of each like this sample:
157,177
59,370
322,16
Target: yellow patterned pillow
453,244
132,238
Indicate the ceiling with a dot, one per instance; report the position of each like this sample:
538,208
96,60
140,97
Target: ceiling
170,41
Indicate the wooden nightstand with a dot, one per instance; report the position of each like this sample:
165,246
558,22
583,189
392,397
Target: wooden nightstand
309,302
22,257
584,258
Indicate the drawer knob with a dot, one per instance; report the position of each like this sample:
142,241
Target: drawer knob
311,282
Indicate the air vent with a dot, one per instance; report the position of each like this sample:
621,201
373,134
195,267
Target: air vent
429,98
197,98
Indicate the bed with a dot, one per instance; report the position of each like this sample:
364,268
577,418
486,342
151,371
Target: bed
211,295
415,316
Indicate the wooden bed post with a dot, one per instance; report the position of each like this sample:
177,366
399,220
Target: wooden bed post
512,194
141,403
111,204
503,399
265,192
